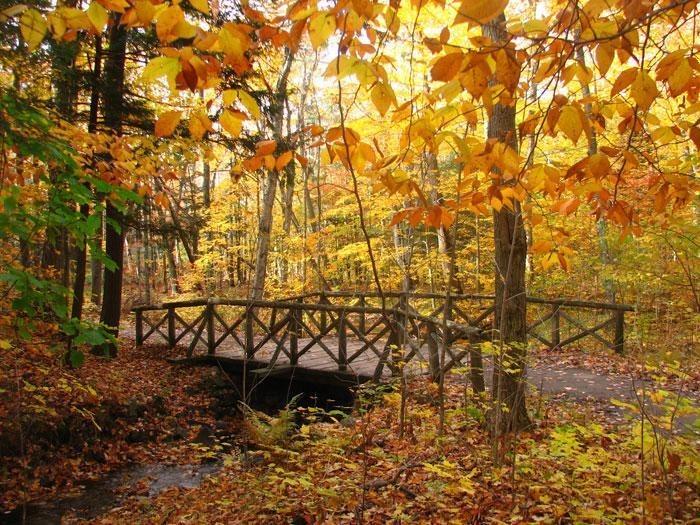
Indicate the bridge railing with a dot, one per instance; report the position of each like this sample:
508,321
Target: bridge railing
390,330
556,323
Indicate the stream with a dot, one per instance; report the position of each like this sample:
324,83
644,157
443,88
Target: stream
98,497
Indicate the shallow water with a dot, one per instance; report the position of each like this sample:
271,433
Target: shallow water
100,496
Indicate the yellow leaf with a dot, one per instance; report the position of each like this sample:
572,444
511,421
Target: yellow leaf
57,25
682,74
33,27
549,260
168,22
249,103
11,12
145,11
570,123
604,57
199,124
479,11
321,25
115,5
644,90
283,160
231,95
167,122
161,67
74,18
382,97
98,16
232,123
200,5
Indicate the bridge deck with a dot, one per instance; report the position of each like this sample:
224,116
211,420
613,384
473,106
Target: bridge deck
315,362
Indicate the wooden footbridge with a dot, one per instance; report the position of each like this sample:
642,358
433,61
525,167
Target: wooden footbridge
358,336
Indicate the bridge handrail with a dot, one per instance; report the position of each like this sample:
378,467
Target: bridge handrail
296,301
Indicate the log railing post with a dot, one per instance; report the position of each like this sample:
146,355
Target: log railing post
433,351
249,341
139,327
619,331
556,330
342,342
171,327
294,324
324,316
211,335
362,321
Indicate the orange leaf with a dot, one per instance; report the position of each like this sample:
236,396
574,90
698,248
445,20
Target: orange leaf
265,147
283,160
624,80
167,122
447,67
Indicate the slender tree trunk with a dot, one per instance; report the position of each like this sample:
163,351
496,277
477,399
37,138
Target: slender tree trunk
56,252
96,266
272,180
601,224
95,262
287,204
80,271
147,249
445,237
113,97
81,257
509,412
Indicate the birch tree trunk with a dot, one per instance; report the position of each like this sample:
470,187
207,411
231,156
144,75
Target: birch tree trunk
271,181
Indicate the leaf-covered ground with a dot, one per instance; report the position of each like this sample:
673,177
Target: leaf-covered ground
575,466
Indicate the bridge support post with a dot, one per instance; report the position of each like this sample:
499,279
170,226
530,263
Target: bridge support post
139,327
342,343
556,331
171,327
619,331
211,335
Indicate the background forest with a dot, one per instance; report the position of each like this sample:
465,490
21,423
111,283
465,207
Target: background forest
155,151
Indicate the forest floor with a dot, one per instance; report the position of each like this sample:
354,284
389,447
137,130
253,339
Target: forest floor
136,440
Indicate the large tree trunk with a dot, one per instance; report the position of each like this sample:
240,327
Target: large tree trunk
509,412
113,97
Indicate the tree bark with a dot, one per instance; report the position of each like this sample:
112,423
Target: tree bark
113,98
510,413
